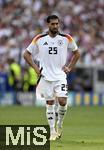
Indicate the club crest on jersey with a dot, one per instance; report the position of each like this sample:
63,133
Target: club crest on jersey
60,42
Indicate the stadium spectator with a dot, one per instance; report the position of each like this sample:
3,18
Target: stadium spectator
29,79
14,77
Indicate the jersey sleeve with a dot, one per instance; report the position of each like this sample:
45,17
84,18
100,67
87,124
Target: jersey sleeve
33,47
72,46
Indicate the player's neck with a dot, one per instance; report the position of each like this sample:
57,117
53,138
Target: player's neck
52,34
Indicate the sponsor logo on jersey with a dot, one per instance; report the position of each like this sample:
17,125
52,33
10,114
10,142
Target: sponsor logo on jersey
45,43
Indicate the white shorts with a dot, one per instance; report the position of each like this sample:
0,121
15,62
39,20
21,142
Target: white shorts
51,89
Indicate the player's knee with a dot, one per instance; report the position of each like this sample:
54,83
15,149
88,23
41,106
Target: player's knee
51,102
62,101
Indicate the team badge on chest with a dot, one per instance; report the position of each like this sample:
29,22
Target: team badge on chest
60,42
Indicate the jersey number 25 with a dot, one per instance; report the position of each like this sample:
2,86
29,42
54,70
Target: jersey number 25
52,50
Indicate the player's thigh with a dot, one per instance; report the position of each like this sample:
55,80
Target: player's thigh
61,89
45,89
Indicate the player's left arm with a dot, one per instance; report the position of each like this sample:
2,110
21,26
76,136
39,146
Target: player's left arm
74,59
75,55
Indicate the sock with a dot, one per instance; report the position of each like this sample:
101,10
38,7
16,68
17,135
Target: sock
56,110
50,113
61,114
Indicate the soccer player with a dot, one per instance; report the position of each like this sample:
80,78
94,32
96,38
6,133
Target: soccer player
52,48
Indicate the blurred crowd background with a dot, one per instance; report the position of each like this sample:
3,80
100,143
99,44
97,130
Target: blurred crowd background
21,20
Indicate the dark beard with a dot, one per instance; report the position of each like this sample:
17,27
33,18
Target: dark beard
54,32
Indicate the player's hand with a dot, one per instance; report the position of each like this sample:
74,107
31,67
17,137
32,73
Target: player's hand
37,70
66,69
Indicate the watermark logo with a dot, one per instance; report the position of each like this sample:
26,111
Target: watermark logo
24,137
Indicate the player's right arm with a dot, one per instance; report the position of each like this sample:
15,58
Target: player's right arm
28,59
32,48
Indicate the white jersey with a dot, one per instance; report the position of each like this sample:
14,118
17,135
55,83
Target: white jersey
52,52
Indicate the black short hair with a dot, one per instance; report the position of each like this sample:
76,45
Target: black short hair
51,17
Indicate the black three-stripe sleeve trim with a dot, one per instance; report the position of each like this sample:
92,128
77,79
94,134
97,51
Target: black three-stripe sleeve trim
62,34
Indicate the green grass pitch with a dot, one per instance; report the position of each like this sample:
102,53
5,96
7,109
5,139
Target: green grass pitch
83,126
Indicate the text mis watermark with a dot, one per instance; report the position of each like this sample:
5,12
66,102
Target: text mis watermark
24,137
